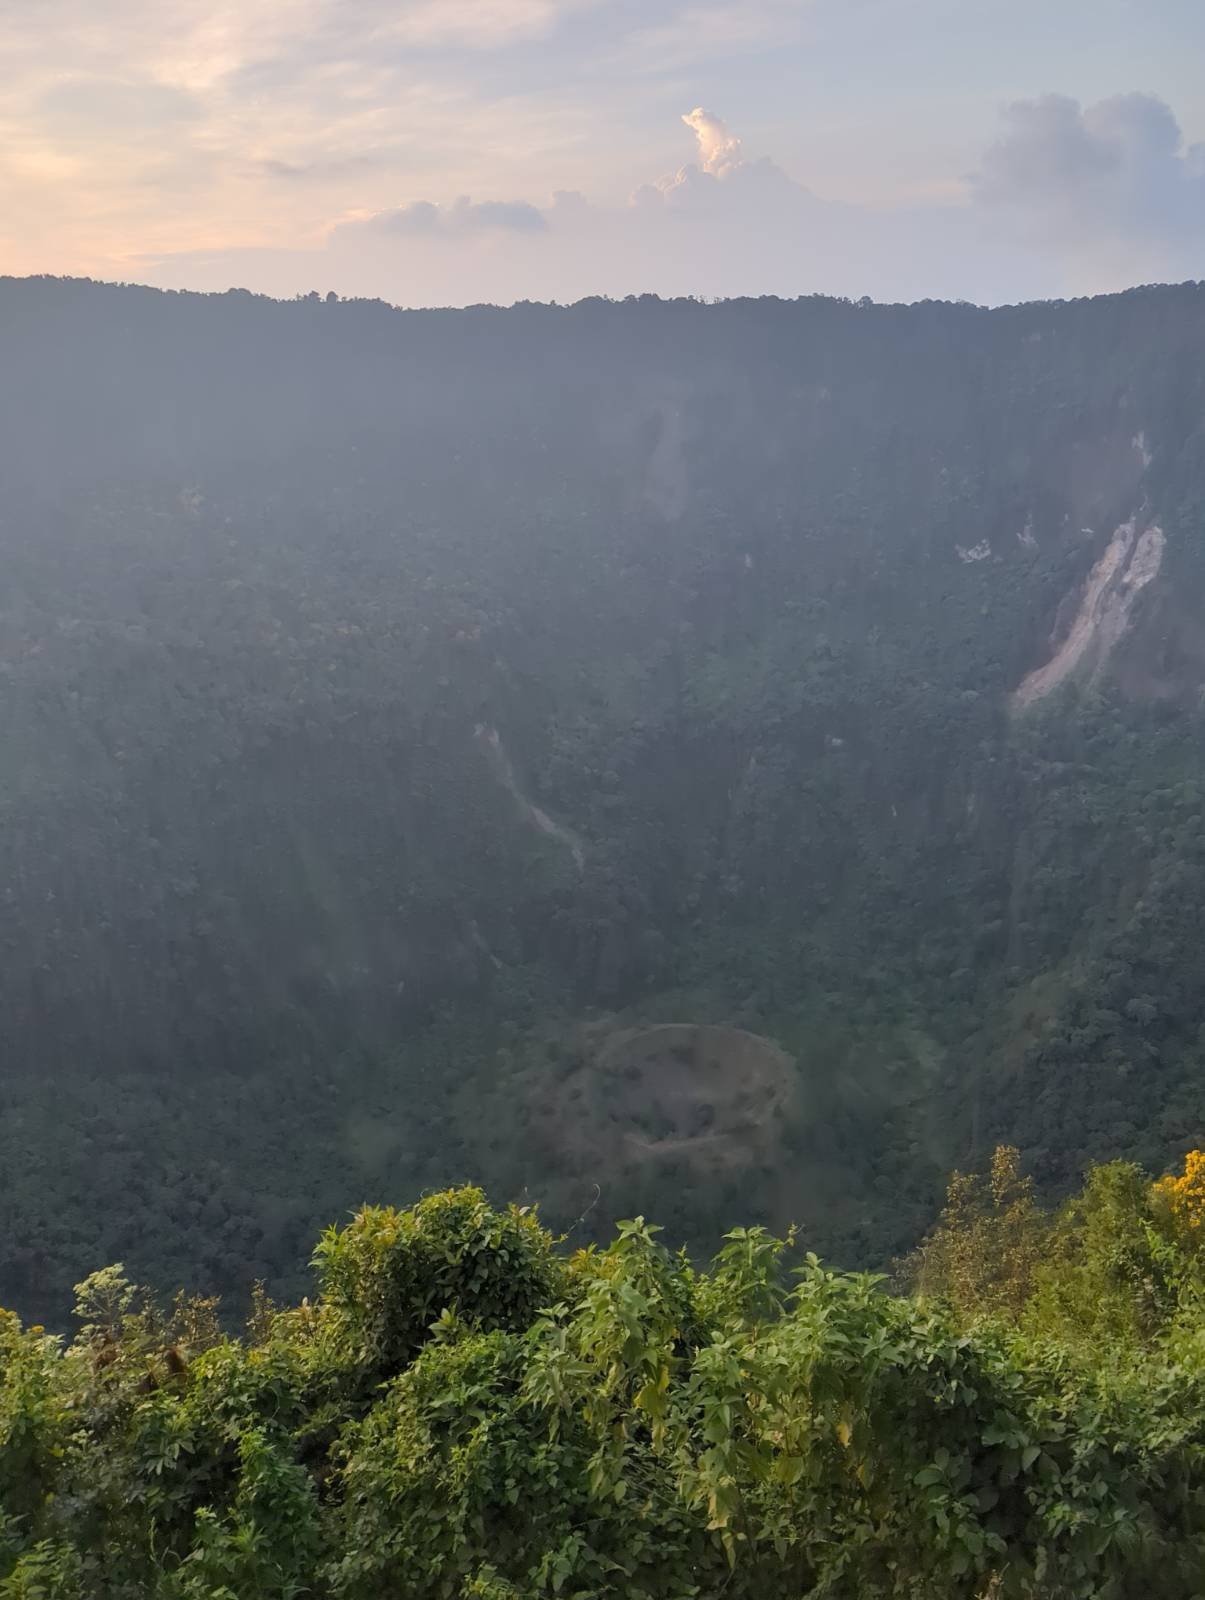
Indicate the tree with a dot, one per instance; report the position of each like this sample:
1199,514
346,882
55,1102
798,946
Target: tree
983,1254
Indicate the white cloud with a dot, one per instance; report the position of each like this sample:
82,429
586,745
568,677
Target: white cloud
722,178
719,150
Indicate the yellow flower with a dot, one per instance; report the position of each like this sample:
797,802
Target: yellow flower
1183,1198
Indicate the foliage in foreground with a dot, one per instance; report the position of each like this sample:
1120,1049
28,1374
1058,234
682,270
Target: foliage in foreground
468,1411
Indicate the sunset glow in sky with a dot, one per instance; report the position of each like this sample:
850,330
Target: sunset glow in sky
443,151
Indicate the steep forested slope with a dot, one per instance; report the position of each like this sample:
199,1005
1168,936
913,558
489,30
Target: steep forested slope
407,715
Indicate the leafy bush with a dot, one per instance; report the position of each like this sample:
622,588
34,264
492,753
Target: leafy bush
390,1275
465,1413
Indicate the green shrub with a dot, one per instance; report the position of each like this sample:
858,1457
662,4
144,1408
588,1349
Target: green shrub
390,1276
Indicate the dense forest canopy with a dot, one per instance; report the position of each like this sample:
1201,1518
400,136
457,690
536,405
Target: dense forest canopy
707,760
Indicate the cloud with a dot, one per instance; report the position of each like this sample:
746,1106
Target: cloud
725,224
1111,180
716,30
722,180
479,24
719,150
113,108
462,216
320,170
173,127
284,137
291,144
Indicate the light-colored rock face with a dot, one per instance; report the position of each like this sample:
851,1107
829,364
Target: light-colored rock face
975,552
1146,560
1130,562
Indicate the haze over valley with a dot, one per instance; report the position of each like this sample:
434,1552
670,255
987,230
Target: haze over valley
602,800
411,713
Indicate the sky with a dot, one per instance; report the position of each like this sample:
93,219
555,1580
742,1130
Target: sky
443,152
